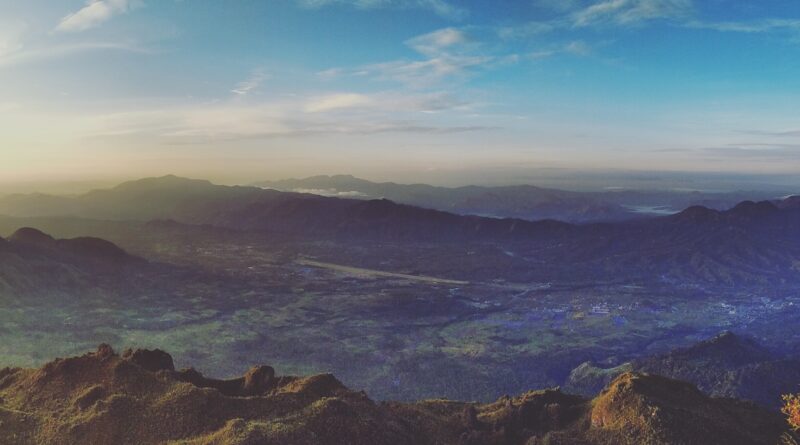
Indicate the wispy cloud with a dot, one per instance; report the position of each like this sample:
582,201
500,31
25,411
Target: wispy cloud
755,152
558,5
425,73
682,13
578,48
11,33
438,42
250,84
33,55
447,54
390,102
758,26
526,30
334,113
784,133
442,8
94,13
331,73
337,102
632,12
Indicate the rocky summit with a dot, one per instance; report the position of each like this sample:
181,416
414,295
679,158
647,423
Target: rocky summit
138,397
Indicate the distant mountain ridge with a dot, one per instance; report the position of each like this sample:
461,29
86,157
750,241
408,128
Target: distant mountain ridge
139,398
518,201
751,242
252,208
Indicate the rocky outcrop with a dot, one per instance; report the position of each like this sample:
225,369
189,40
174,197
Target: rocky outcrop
139,398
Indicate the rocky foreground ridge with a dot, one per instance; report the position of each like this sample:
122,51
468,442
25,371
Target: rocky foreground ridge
139,398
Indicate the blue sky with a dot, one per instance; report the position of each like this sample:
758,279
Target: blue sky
241,90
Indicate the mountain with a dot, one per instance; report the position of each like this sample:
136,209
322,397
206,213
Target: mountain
139,398
749,243
727,365
34,263
83,248
521,201
150,198
788,202
251,208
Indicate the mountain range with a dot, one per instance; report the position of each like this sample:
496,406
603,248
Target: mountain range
263,271
751,242
520,201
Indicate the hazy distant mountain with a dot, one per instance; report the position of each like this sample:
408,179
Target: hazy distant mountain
34,263
84,248
521,201
752,242
103,397
725,366
525,202
165,197
252,208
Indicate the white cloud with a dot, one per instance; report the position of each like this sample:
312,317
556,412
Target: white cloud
335,113
94,13
34,55
578,48
631,12
250,84
441,7
760,26
447,53
330,192
11,33
755,152
526,30
539,55
331,73
337,102
385,102
557,5
425,73
437,42
571,14
444,9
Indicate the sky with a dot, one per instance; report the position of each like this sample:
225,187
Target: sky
245,90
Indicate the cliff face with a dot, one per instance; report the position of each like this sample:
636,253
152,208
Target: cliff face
139,398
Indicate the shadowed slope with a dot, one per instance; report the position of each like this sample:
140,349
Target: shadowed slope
727,365
88,248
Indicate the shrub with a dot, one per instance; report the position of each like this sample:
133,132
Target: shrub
791,408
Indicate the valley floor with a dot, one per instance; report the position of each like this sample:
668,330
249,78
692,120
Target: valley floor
448,326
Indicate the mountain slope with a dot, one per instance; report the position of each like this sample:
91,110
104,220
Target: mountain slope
725,366
72,266
139,398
